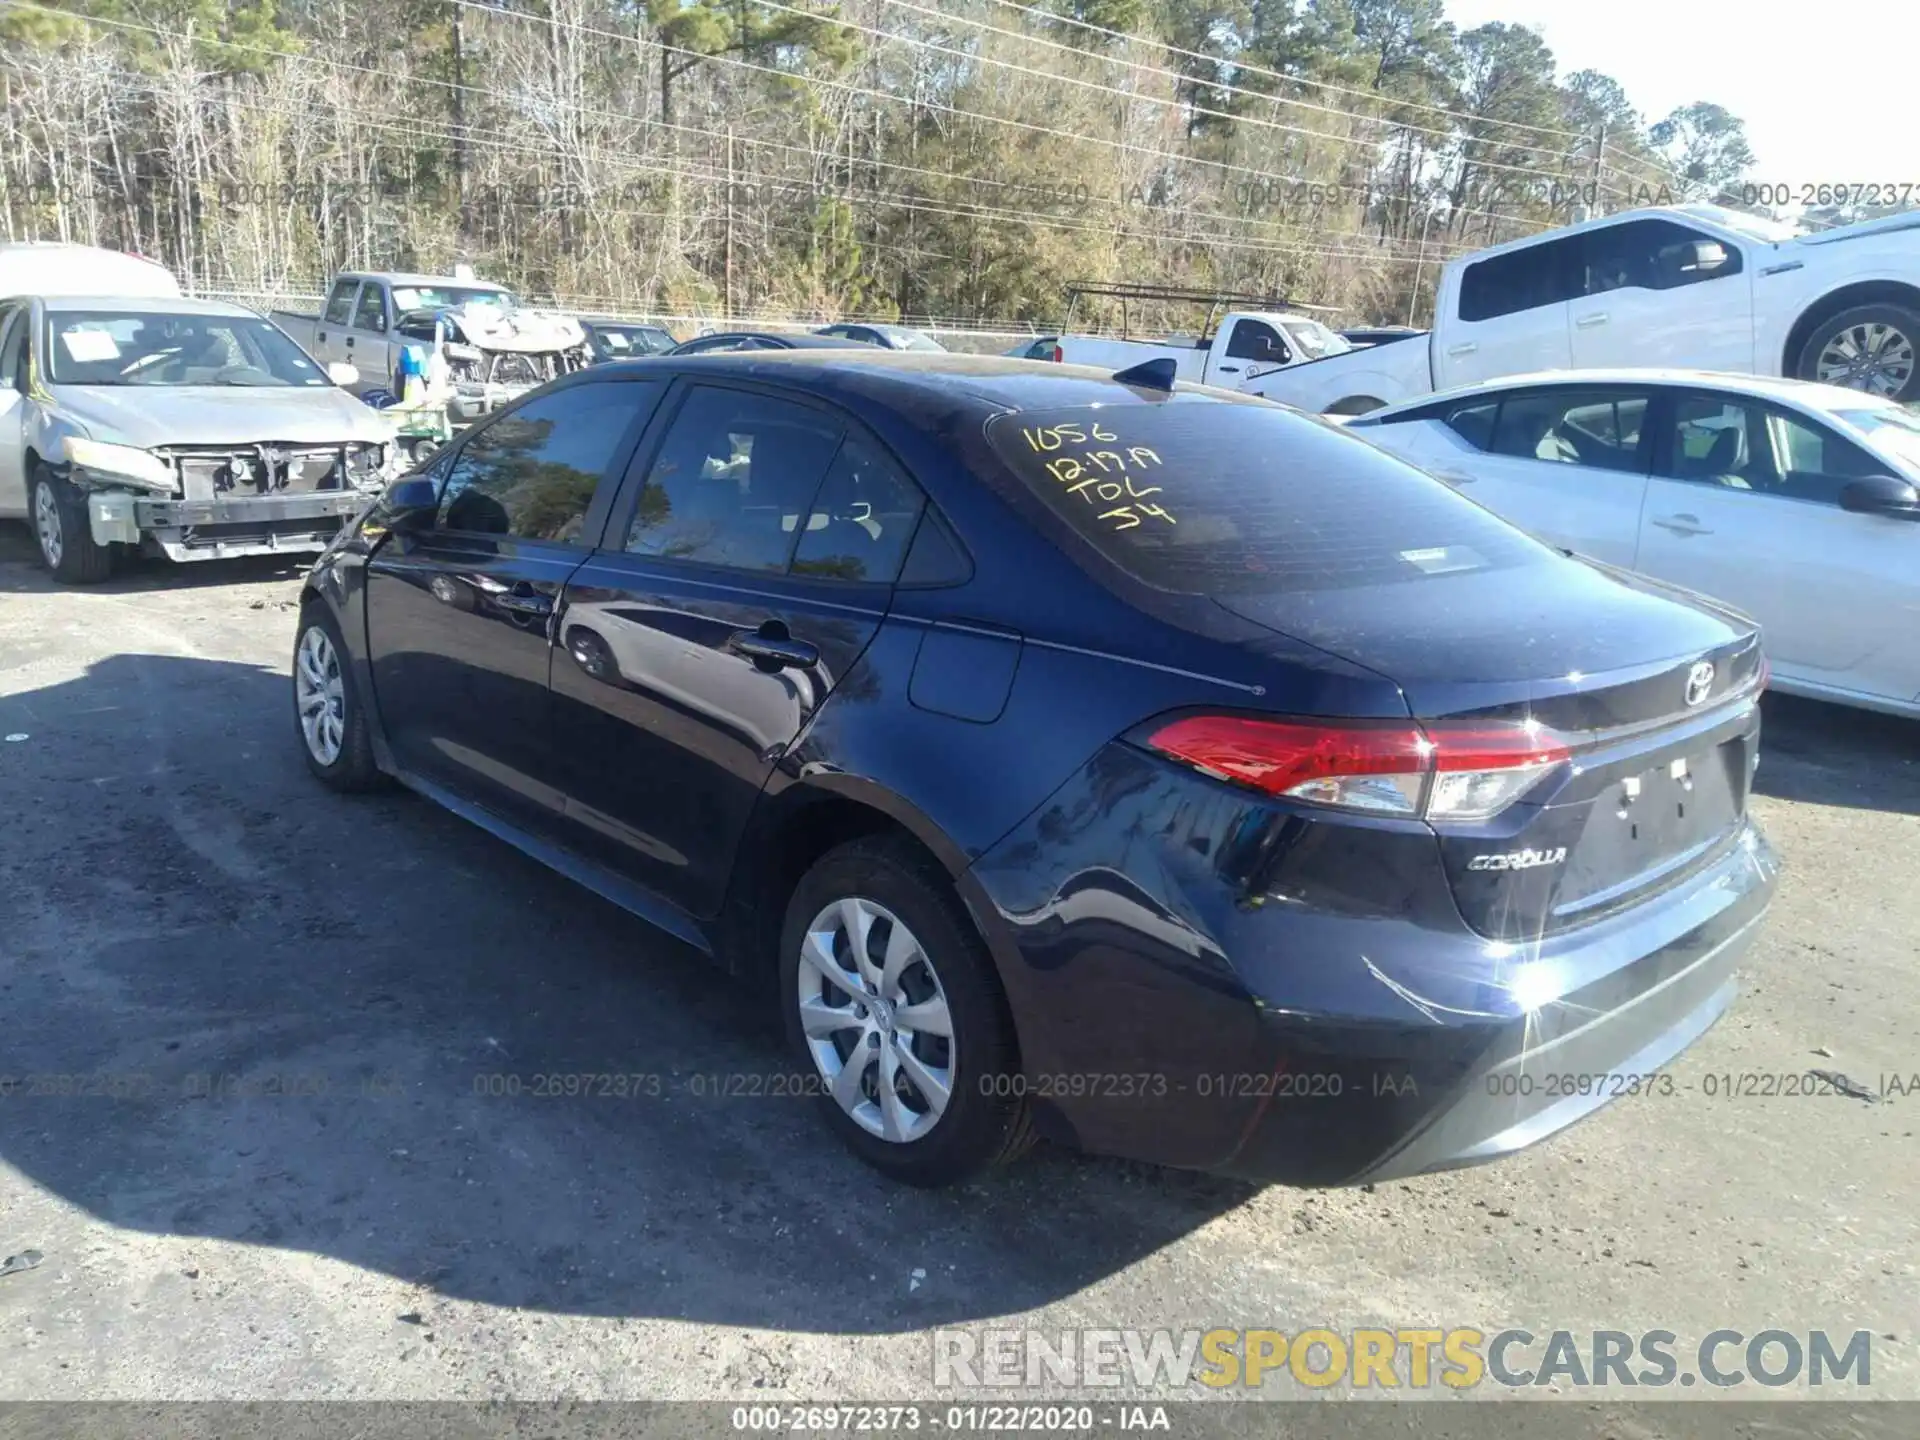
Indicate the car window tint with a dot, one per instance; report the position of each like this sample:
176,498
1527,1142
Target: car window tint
13,344
1740,444
1653,255
1522,279
734,477
1599,429
532,472
1222,499
862,520
1256,340
340,303
371,312
1474,423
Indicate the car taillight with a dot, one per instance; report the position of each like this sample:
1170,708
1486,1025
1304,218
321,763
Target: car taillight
1393,768
1059,356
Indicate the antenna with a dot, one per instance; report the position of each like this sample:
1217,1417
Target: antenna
1154,374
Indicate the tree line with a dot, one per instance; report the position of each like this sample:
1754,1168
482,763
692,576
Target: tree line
938,161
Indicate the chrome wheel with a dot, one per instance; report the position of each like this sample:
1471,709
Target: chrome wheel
46,524
1874,357
876,1020
320,695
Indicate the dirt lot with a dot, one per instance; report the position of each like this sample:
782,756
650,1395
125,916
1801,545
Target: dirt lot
351,1215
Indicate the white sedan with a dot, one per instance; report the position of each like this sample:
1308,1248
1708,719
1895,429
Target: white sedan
1795,502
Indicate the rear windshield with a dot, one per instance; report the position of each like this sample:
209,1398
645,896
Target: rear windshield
1220,498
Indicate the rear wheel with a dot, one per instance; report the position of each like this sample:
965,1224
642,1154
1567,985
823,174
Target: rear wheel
892,1003
1875,348
64,533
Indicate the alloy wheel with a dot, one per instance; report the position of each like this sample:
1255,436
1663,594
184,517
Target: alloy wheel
1874,357
46,524
320,695
876,1020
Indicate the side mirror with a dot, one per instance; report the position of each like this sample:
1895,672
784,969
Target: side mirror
343,374
409,505
1881,495
1695,257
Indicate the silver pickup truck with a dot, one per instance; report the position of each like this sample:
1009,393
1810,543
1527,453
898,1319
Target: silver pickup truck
183,428
496,349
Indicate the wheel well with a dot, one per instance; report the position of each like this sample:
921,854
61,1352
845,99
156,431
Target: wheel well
767,881
1870,292
1353,405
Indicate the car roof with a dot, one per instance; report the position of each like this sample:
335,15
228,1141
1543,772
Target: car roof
1764,387
816,342
987,384
147,305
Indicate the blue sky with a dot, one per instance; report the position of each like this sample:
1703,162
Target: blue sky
1827,90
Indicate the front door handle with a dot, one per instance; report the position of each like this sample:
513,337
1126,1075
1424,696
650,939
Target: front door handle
524,602
771,648
349,342
1454,351
1587,322
1682,524
1453,477
1227,369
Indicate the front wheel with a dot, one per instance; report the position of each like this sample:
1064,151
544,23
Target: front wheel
1875,348
335,735
893,1006
64,533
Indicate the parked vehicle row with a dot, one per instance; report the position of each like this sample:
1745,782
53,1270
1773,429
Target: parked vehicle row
1070,754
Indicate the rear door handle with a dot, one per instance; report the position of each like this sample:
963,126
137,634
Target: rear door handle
524,603
773,651
1466,349
1587,322
1682,524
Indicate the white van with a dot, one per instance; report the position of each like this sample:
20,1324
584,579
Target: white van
47,267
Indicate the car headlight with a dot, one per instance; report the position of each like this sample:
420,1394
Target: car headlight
120,462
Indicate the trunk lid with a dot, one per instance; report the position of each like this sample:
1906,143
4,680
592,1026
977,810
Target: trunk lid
1652,689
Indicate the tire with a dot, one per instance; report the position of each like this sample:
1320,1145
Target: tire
1892,332
62,533
984,1121
338,751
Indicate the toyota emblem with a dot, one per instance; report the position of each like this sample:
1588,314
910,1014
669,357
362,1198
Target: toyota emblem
1700,683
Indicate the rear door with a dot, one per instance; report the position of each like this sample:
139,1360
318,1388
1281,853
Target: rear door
1654,293
747,566
1745,505
1510,315
366,344
460,617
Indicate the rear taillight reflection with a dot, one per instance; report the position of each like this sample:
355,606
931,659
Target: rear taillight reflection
1392,768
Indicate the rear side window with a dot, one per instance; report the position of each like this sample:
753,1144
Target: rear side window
1523,279
1227,498
531,473
1596,428
862,520
340,303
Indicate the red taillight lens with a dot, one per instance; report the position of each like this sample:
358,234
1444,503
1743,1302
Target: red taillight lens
1059,356
1396,768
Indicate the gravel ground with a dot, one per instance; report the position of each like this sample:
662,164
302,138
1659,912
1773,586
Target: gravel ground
182,901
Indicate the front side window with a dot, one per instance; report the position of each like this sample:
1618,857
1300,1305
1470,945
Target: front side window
734,480
130,347
1600,429
1257,340
1653,255
340,304
532,472
1741,444
1523,279
371,312
1474,423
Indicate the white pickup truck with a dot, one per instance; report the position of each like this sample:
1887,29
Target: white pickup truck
496,348
1234,350
1686,287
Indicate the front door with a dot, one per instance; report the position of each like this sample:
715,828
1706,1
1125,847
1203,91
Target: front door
1655,292
749,563
1745,506
460,617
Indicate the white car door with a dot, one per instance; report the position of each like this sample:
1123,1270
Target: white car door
366,345
1745,506
13,409
331,330
1656,292
1567,463
1510,315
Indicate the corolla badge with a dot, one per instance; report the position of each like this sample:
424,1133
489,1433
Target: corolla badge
1518,859
1700,682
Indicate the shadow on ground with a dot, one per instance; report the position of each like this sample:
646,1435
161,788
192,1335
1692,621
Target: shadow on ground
358,1027
1823,754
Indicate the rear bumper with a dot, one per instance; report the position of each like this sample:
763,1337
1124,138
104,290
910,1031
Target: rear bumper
1291,1002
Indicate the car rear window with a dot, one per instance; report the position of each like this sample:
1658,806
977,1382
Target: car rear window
1225,498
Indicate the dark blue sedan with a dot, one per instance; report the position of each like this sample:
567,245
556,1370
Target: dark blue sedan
1161,771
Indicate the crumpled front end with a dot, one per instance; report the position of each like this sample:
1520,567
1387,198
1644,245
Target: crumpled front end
496,356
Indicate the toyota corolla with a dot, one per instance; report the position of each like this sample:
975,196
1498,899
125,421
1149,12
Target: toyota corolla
1154,769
